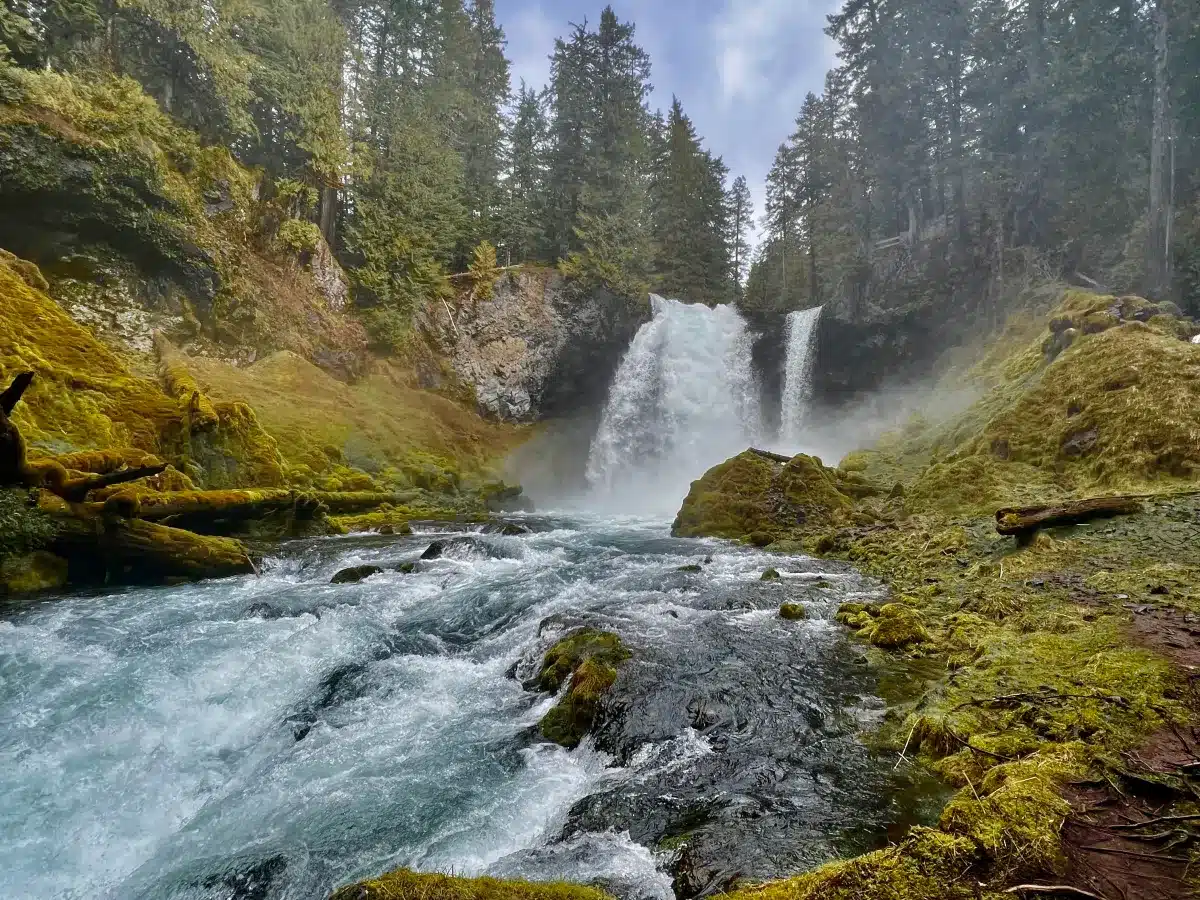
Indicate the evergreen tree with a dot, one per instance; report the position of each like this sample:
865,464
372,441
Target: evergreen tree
690,231
524,233
741,215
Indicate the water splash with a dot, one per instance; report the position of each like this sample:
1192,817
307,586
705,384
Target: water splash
797,378
685,398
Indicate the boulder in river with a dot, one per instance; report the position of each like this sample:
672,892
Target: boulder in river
355,574
793,612
762,498
590,659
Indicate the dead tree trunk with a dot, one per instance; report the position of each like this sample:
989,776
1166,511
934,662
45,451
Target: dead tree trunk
1023,521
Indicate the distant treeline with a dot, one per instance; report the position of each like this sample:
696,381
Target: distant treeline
965,138
390,125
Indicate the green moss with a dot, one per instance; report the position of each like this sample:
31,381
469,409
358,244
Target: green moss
896,627
590,659
83,396
692,569
34,572
299,236
793,612
753,497
927,865
24,527
771,575
407,885
568,654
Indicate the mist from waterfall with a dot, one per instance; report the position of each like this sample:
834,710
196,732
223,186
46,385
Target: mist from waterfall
684,398
797,377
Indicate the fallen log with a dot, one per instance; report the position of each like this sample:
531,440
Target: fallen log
75,490
773,457
207,511
1018,521
100,546
101,462
340,502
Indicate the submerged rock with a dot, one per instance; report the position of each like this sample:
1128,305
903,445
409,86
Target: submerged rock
356,574
507,529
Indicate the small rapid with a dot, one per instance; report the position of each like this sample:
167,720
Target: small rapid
273,738
684,398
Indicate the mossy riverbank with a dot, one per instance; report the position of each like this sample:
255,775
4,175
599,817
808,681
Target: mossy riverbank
124,470
1065,709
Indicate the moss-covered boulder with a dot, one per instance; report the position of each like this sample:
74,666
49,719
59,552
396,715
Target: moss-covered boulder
770,575
758,498
1112,409
32,573
589,659
896,627
405,884
793,612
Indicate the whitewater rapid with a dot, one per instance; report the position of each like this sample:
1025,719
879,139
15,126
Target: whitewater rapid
277,737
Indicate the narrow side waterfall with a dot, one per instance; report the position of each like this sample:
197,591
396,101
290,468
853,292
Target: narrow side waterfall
684,399
797,378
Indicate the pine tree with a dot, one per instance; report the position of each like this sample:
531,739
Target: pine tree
526,202
741,217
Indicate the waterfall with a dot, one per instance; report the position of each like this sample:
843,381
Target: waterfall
797,377
684,399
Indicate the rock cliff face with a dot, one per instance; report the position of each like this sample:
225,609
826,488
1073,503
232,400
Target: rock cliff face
541,348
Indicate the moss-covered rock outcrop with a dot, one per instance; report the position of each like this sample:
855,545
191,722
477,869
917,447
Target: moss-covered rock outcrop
757,496
586,661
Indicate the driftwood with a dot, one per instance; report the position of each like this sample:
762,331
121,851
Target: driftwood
773,457
1020,521
13,393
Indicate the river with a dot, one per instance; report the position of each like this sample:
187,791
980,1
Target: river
272,738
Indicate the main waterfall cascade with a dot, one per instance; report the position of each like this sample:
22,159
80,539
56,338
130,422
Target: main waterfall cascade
684,398
797,378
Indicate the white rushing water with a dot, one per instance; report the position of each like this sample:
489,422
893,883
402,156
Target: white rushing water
684,398
274,737
797,377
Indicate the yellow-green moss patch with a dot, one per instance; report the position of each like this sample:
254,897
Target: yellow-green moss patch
590,659
408,885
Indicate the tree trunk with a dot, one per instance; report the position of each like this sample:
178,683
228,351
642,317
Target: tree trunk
130,550
1018,521
1156,231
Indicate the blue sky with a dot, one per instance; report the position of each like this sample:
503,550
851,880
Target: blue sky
740,67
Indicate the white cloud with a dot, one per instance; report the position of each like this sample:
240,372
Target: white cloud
530,32
760,43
